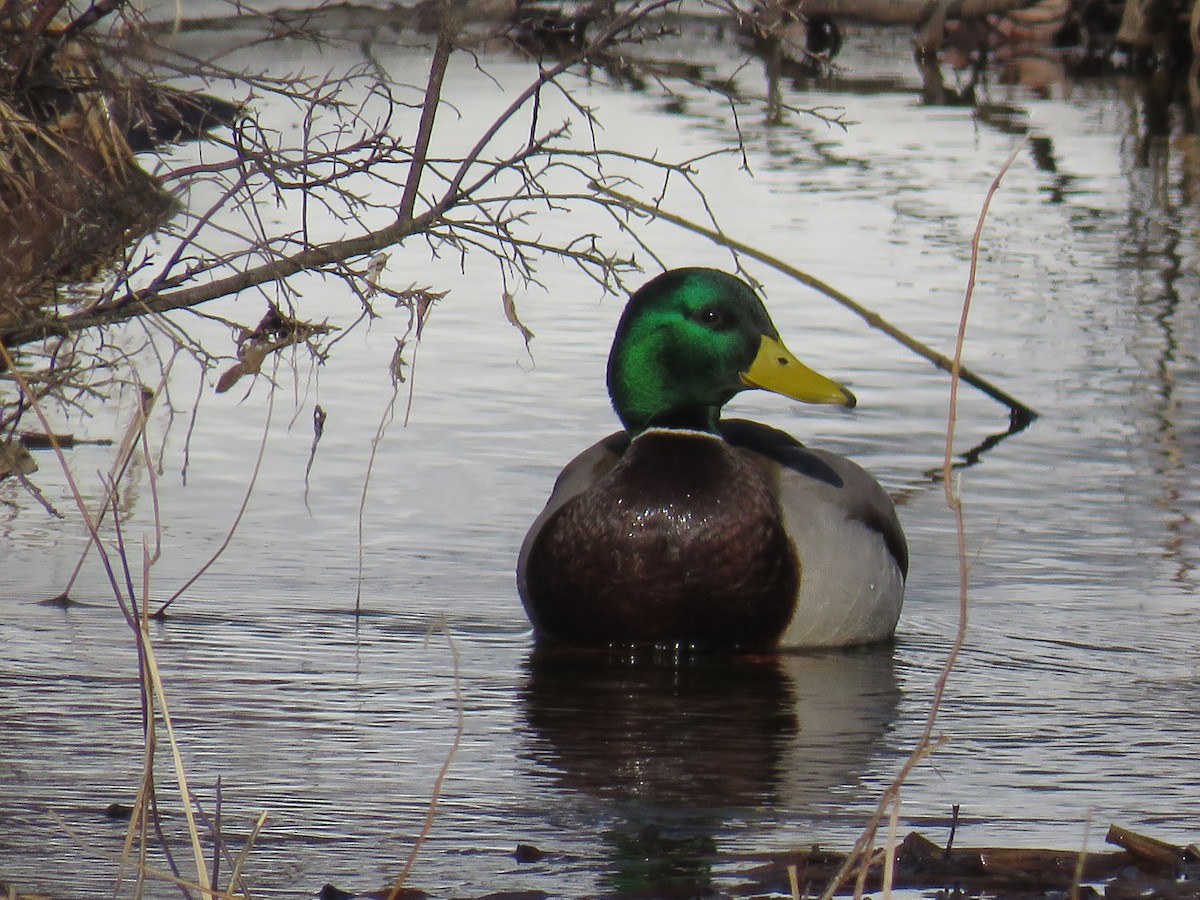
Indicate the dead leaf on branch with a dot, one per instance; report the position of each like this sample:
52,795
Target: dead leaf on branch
510,313
396,366
276,331
319,416
378,263
418,301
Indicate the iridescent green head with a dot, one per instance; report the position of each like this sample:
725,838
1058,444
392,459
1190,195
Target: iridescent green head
692,338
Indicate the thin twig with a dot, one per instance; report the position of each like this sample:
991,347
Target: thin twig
235,876
237,519
389,414
134,433
953,830
889,857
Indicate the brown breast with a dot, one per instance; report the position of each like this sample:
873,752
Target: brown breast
682,542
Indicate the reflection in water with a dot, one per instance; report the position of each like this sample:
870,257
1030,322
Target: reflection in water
1159,242
969,457
675,743
1013,120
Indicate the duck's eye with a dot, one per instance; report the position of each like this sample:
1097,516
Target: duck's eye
712,317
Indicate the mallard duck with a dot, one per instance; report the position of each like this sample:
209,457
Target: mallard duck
689,529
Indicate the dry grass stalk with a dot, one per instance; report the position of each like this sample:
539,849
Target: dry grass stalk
152,674
1081,861
436,789
135,434
154,696
863,856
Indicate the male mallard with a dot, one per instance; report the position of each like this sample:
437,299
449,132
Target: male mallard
689,529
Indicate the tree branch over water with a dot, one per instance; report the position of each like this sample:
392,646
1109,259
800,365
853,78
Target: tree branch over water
343,181
264,206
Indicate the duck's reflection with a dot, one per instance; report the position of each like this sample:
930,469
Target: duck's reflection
708,731
674,739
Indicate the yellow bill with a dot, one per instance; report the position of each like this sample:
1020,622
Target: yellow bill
775,369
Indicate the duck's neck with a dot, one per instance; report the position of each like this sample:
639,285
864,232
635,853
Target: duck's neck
699,419
645,398
656,385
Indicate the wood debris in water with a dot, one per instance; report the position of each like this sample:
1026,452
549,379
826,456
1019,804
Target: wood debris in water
1144,869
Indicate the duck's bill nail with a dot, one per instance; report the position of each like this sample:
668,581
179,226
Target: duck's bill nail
776,369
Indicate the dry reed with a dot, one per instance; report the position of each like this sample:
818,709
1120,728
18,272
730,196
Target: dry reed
863,855
155,706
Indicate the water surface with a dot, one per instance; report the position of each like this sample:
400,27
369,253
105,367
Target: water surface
1072,706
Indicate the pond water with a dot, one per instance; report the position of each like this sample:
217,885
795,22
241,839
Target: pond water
1072,706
